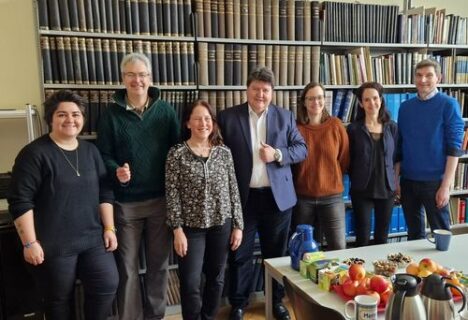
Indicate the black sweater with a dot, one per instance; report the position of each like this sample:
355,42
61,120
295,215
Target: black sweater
65,206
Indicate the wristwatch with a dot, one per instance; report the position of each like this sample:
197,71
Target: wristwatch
277,155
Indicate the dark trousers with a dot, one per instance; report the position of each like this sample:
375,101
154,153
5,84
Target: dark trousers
263,215
362,210
98,273
326,215
207,252
414,196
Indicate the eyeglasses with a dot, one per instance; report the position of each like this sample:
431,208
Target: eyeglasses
132,75
313,99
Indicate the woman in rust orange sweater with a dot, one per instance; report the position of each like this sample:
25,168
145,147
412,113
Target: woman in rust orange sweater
319,178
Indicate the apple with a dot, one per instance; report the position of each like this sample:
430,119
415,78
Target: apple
428,264
412,268
363,287
424,273
379,283
384,296
357,272
350,287
374,294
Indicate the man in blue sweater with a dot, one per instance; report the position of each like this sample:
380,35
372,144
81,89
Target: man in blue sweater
430,131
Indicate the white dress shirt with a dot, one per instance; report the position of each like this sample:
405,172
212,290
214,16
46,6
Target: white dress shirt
258,127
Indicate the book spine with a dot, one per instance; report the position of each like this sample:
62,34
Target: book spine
203,77
219,64
114,61
252,57
221,19
291,5
261,55
96,15
110,14
75,51
180,18
69,59
252,14
46,60
212,64
237,64
184,63
162,63
62,61
137,46
267,19
191,62
244,19
99,61
199,16
54,15
128,16
299,59
91,61
170,64
299,21
166,15
306,64
237,19
245,63
88,6
315,17
83,60
187,7
259,20
121,51
155,63
73,12
123,16
43,14
307,26
290,66
207,18
174,25
228,64
115,9
160,19
269,57
177,63
229,10
129,46
283,20
106,61
135,16
143,11
104,16
283,69
81,15
153,26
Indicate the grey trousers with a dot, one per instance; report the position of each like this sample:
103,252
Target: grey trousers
131,220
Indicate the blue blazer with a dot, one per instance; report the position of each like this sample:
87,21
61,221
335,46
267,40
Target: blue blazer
281,134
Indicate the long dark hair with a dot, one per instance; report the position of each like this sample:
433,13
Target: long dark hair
214,138
384,115
302,115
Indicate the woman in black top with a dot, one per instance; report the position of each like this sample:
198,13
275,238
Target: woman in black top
61,203
372,142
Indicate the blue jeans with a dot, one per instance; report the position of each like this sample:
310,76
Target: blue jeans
327,215
207,253
263,215
98,273
414,196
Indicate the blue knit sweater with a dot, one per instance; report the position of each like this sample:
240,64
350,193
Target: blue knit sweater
429,131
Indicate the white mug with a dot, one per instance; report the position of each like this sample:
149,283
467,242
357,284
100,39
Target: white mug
364,306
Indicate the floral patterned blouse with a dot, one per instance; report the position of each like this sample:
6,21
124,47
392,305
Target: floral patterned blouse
201,194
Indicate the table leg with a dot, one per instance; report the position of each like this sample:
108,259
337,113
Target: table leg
268,295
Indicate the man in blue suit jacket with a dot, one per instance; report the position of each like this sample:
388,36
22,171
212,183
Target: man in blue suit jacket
264,142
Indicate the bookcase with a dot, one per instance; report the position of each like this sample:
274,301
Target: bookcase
207,48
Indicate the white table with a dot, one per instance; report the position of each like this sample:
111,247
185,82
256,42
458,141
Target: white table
456,258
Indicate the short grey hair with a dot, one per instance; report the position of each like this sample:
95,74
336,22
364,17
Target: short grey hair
134,57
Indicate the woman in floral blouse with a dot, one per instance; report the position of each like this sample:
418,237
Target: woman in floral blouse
204,210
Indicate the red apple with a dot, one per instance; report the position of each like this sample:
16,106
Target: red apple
374,294
357,272
428,264
350,287
379,283
384,296
363,287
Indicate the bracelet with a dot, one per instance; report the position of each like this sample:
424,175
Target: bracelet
110,228
28,245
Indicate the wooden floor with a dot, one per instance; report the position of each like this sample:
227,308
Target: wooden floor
255,311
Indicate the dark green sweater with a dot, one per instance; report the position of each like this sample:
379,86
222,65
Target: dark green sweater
141,141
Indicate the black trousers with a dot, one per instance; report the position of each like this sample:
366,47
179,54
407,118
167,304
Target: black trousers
207,253
362,210
97,271
261,214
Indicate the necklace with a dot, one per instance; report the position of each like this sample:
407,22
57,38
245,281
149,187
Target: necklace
77,168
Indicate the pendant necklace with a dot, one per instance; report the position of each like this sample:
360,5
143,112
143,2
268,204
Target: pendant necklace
77,168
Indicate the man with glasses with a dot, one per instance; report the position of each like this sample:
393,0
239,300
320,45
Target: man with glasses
134,136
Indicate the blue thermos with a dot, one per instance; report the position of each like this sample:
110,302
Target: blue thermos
301,241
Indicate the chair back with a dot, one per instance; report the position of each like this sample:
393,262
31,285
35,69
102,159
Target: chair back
305,307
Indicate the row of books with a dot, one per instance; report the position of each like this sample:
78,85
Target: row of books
263,19
358,66
461,96
443,28
98,100
230,64
78,60
458,207
397,222
139,17
461,177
